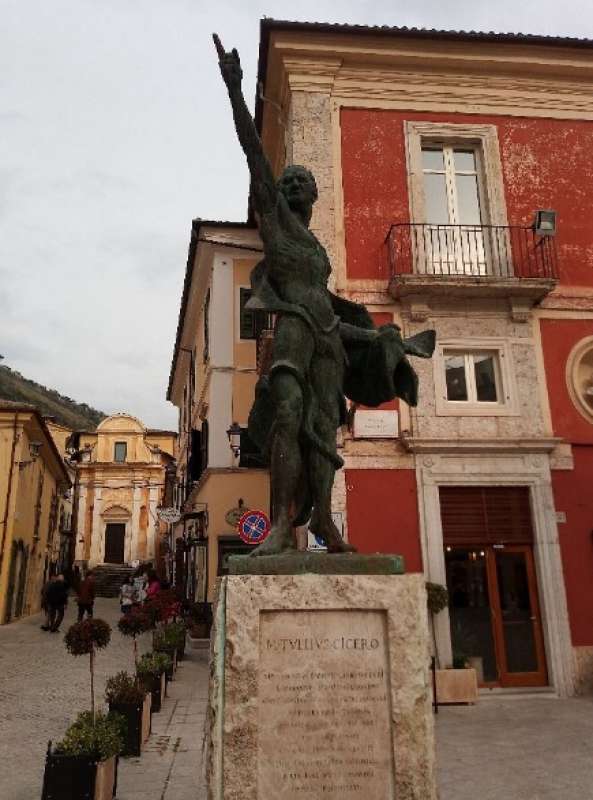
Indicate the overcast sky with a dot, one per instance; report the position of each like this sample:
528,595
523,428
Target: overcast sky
115,132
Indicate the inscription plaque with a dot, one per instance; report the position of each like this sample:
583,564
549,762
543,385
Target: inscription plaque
324,706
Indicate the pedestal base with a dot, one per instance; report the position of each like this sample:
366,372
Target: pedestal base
320,689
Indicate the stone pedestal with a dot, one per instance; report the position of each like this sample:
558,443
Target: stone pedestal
320,689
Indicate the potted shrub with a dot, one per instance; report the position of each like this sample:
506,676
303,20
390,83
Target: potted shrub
83,766
126,698
457,684
151,676
177,631
85,638
133,625
163,606
170,639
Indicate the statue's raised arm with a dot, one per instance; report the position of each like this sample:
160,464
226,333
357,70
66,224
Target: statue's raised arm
263,185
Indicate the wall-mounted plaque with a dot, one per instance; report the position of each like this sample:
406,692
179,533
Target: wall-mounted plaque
374,424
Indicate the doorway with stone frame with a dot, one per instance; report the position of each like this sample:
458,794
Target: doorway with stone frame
493,595
543,560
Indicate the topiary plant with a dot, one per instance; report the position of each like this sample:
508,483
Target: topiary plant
437,597
84,638
97,736
123,688
154,664
169,638
134,624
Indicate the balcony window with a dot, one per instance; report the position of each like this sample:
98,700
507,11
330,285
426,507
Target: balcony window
120,452
453,201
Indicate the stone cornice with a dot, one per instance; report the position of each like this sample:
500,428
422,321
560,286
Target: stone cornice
479,446
463,76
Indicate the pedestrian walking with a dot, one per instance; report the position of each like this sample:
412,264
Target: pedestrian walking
126,596
154,585
45,605
139,583
57,600
86,596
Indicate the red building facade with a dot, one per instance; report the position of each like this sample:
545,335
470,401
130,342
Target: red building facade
433,154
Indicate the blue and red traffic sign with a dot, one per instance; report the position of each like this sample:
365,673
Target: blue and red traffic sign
253,527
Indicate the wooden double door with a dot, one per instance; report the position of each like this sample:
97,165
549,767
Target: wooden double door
494,612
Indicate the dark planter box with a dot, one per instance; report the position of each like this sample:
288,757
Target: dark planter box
170,673
78,778
137,718
155,684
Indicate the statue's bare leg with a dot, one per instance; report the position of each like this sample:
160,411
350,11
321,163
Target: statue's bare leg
322,473
285,462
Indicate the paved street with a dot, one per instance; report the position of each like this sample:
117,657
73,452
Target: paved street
517,749
42,688
523,749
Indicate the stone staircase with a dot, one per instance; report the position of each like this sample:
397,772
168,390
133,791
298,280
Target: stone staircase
109,578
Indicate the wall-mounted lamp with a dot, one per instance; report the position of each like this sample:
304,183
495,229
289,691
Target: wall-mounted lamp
34,450
545,222
234,434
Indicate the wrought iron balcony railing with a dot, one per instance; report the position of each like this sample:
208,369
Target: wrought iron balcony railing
495,251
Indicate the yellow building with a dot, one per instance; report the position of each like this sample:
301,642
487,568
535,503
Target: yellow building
212,382
120,485
62,545
33,478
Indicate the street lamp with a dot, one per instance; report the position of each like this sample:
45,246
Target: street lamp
34,450
545,222
234,434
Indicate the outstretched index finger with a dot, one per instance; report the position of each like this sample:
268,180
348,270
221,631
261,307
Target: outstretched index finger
218,44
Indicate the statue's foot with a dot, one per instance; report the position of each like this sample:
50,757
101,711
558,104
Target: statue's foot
331,536
280,540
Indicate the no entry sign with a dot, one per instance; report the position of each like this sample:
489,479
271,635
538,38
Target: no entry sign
253,527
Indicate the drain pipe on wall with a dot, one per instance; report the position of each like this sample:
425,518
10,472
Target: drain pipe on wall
8,490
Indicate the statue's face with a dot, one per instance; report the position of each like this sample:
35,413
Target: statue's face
298,185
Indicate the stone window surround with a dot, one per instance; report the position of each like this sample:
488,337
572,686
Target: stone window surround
484,136
433,471
581,349
507,406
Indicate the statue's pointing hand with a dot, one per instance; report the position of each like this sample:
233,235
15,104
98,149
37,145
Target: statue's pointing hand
230,64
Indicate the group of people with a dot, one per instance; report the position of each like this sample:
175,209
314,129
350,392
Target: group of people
143,585
56,591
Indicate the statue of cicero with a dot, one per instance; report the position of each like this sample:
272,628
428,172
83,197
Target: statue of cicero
324,347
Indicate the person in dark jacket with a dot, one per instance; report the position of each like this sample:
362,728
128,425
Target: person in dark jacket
56,598
86,596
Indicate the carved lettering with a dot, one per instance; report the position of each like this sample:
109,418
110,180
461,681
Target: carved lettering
324,706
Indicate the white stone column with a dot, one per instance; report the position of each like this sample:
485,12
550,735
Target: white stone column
80,532
132,535
97,531
152,523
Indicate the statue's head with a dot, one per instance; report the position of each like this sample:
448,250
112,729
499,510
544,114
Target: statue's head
298,185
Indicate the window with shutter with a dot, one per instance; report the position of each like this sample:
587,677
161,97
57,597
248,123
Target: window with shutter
485,515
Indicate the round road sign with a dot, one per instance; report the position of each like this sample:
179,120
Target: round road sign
253,527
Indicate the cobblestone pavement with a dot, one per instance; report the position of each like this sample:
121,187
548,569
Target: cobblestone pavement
522,748
42,689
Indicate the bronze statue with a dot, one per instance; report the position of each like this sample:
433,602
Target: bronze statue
324,347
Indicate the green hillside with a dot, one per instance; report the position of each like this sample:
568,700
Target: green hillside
78,416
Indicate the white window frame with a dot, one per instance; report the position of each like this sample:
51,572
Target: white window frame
506,405
484,140
238,338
